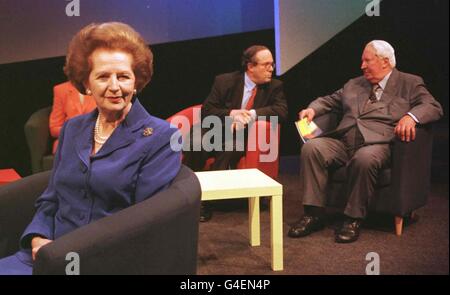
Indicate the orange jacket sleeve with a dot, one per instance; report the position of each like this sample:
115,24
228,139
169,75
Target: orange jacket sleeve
58,115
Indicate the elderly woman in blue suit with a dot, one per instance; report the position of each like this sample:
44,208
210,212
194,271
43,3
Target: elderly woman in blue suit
106,160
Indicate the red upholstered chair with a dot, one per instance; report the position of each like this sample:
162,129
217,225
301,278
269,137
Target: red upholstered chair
252,155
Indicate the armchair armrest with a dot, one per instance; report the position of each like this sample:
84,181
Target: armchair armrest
17,209
262,148
37,135
191,114
411,171
156,236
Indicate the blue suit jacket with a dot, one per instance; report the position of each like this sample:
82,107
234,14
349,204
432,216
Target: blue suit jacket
130,167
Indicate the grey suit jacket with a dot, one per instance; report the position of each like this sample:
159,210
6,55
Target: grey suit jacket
403,93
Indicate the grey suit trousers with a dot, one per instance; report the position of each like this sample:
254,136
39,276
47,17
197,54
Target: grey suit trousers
362,165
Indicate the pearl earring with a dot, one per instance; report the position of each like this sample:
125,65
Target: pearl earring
134,91
88,92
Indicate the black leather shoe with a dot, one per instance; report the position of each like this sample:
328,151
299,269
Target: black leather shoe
306,226
205,212
349,232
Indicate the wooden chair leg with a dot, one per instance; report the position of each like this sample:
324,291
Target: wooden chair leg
398,225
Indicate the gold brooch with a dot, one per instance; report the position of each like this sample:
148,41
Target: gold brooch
147,131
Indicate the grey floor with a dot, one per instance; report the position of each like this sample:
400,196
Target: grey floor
422,249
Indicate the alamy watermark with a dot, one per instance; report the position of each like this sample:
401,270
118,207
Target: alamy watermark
373,8
73,8
373,267
262,136
73,267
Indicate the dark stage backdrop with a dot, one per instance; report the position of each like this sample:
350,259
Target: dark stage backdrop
184,71
33,29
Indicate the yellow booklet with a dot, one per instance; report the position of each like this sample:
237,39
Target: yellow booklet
307,130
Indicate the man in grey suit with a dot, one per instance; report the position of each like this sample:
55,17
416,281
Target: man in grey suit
375,107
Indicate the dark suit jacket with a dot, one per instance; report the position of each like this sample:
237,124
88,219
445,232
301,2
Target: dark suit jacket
129,168
403,93
227,91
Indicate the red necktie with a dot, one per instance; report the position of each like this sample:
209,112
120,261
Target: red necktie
251,100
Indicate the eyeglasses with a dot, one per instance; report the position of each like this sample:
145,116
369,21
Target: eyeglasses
266,65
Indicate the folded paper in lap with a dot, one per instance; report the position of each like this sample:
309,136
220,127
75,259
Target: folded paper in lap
307,130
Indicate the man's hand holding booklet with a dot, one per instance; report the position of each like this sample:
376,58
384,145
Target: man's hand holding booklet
307,130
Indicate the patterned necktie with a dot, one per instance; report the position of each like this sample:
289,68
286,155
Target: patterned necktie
251,100
373,93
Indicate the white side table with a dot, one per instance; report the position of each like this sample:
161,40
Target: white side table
251,184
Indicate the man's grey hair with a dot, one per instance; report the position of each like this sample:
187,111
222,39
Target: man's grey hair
384,50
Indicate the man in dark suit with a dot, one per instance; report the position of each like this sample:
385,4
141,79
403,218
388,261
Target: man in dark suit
239,98
375,107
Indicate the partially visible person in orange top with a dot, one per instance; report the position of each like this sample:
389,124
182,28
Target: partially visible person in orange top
67,103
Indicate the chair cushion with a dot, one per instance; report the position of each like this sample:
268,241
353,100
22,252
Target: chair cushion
47,162
384,178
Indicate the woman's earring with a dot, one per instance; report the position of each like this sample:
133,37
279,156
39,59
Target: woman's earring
134,91
88,92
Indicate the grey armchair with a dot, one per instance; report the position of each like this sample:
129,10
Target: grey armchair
403,187
39,141
156,236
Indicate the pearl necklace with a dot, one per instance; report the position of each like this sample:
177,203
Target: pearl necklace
97,130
